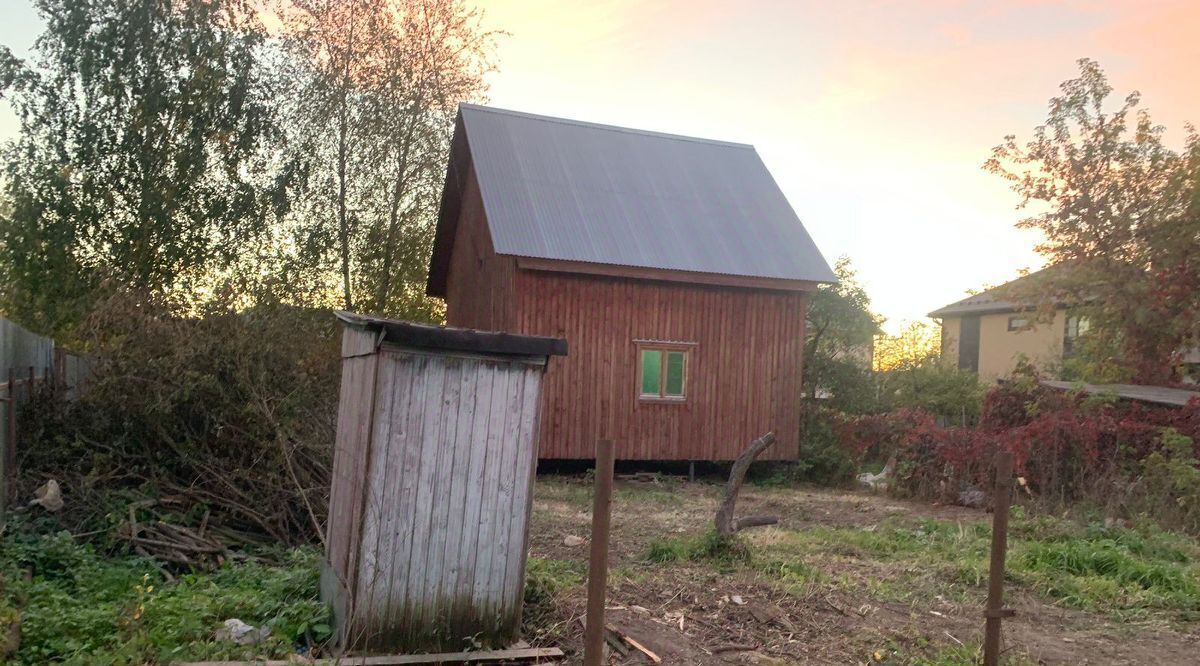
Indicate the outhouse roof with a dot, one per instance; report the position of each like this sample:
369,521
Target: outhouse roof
427,336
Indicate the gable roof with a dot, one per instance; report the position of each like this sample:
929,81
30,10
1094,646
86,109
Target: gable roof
573,191
999,298
985,302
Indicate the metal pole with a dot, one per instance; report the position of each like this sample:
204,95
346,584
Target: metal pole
593,639
1001,499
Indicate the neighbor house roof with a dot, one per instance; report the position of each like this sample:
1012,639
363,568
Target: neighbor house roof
582,192
995,300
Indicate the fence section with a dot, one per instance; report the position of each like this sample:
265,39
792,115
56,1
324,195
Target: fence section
27,360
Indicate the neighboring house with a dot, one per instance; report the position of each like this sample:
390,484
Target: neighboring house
674,267
986,334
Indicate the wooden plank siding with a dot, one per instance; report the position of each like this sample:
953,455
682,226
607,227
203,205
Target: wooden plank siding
744,372
428,525
356,403
743,367
481,296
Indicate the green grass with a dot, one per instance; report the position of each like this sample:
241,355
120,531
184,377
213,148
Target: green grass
1122,571
709,546
545,581
78,606
546,578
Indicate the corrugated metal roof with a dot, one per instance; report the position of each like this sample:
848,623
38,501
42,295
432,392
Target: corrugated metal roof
566,190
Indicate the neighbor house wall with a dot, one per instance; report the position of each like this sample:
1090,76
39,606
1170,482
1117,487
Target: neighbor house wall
999,348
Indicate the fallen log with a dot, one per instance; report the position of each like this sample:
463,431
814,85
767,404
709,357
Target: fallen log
725,522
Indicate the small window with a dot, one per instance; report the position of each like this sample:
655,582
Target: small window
1018,323
663,373
1077,325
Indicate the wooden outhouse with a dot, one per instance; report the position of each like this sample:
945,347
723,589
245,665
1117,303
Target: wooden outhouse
673,265
432,484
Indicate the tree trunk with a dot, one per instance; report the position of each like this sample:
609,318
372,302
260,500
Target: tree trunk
343,158
726,525
398,191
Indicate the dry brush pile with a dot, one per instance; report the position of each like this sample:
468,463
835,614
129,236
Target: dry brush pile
197,433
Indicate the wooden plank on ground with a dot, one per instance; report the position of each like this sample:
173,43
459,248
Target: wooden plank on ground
482,657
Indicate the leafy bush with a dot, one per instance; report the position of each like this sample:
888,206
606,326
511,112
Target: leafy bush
822,457
1173,473
1123,459
76,605
953,395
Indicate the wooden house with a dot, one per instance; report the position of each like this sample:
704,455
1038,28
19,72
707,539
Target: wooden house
674,266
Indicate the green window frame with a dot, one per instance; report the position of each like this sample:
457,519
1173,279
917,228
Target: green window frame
662,373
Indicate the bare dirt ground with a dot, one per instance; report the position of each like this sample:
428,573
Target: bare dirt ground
833,605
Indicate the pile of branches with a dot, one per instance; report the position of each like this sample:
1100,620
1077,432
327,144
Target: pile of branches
199,547
222,420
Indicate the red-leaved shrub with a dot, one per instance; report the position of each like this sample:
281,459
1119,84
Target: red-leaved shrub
1066,446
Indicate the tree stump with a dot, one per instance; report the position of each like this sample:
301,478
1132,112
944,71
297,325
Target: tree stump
725,522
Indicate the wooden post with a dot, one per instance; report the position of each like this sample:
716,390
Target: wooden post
995,612
593,640
10,448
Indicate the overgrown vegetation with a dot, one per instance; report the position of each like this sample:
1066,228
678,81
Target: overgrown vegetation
546,581
77,605
1122,460
225,414
184,147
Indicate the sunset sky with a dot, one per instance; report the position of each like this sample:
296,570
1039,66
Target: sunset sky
874,117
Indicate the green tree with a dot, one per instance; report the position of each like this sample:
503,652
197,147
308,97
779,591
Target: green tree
912,374
144,131
837,351
1122,211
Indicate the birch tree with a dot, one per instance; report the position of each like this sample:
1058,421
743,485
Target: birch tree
376,85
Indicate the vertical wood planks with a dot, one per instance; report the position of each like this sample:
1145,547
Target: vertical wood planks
445,491
743,379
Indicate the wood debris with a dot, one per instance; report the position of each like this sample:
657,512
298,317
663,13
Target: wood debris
526,655
654,658
176,544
